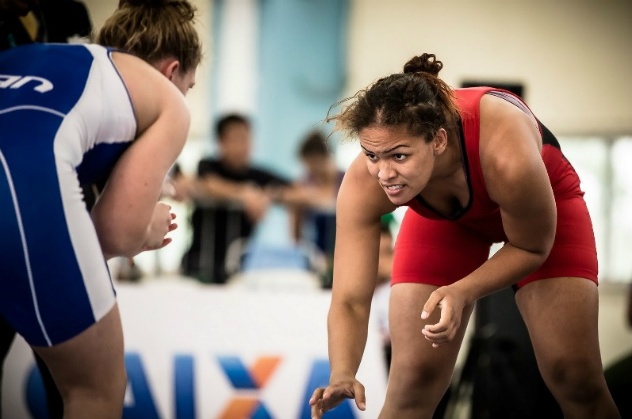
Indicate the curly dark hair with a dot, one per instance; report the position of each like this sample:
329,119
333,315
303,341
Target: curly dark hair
417,98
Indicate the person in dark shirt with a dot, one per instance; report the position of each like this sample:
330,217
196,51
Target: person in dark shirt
313,199
230,196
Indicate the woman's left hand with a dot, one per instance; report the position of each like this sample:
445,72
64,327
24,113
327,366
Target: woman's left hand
451,301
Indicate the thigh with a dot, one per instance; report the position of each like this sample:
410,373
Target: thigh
436,252
417,368
91,362
561,315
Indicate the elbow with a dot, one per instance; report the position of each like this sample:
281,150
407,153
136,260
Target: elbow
353,308
547,250
541,248
548,242
539,254
541,257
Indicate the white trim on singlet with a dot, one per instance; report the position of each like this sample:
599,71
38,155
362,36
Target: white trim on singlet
27,259
517,103
103,114
32,108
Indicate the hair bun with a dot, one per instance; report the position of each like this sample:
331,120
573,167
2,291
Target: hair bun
425,63
143,3
185,9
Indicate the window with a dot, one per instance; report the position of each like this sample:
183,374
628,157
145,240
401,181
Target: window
620,238
604,167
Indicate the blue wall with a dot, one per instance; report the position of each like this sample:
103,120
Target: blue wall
302,73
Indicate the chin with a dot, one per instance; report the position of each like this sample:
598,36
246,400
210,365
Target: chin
399,200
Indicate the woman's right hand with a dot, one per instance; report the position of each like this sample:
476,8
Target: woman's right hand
159,226
325,399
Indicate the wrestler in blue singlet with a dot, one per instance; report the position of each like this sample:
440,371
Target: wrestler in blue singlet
56,133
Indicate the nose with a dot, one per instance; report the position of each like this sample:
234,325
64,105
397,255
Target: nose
385,171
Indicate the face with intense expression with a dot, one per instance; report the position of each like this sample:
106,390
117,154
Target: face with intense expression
402,163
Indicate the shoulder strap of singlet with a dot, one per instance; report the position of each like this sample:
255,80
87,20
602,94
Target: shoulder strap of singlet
468,102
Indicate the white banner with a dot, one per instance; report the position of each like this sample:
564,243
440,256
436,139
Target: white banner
197,351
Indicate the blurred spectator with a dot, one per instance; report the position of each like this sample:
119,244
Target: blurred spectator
314,199
21,22
383,285
67,21
230,196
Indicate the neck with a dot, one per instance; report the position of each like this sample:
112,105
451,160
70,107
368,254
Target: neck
450,162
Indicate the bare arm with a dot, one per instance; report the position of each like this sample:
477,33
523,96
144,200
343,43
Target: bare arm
216,187
361,203
517,181
124,210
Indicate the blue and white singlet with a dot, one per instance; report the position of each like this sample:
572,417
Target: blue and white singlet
65,119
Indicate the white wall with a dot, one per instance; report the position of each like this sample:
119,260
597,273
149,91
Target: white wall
574,56
615,335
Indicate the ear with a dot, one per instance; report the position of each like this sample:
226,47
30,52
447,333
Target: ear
168,67
440,141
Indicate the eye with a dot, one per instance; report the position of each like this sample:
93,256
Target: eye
370,156
399,157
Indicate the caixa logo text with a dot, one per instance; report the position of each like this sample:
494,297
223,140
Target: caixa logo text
39,84
247,383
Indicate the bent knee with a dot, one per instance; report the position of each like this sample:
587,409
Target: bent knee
407,382
421,373
574,379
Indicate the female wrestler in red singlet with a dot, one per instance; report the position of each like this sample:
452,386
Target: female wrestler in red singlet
475,167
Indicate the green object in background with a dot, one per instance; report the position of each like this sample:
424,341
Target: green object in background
388,219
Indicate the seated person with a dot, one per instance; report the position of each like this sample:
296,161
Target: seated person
383,284
314,198
230,197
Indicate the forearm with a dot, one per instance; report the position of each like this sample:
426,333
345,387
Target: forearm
121,235
347,328
122,247
213,187
505,268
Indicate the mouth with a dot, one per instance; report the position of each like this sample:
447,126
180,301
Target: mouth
392,190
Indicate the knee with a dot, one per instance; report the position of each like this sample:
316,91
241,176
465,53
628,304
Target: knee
422,373
574,378
414,378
